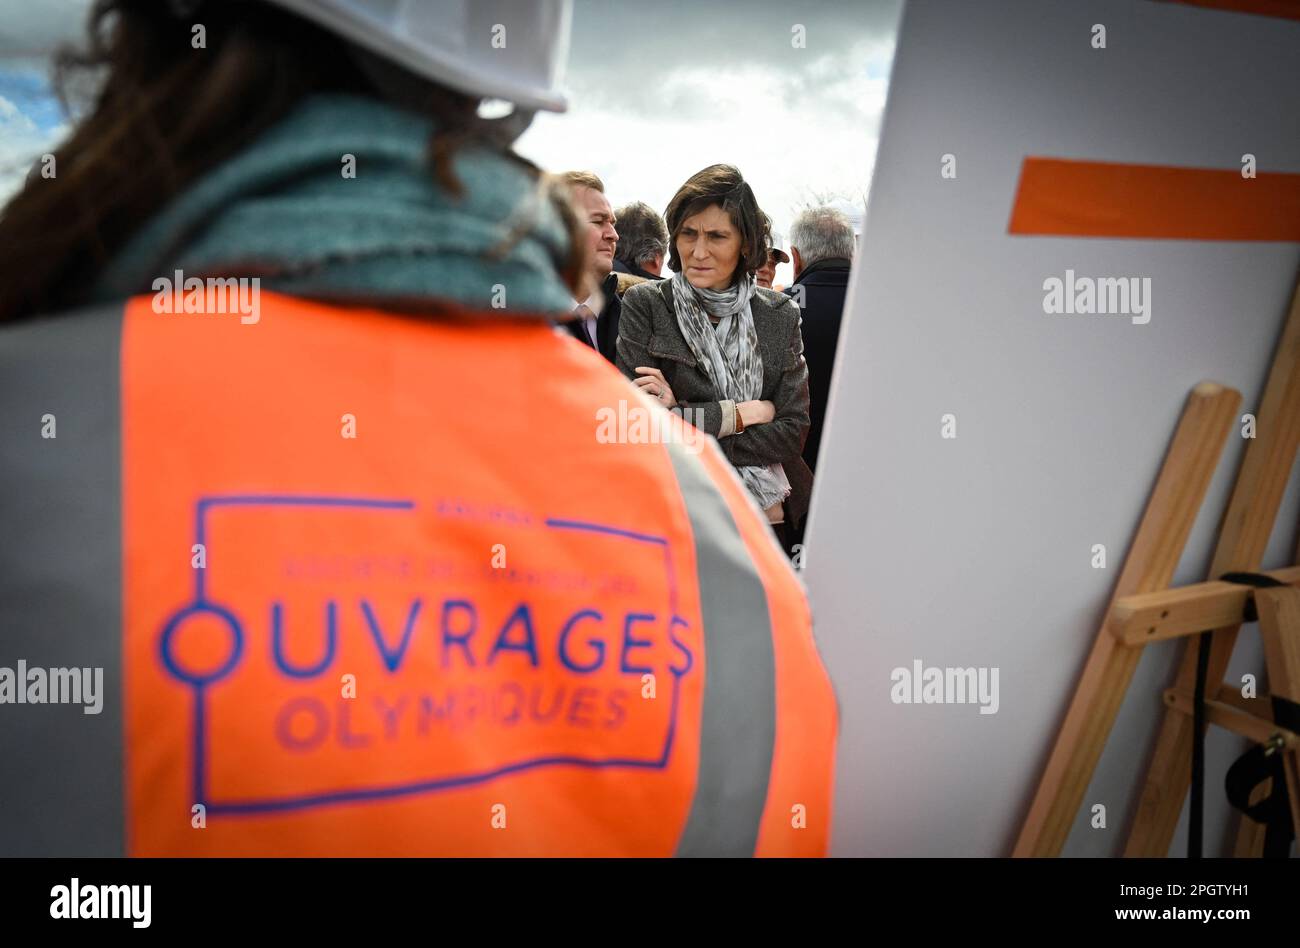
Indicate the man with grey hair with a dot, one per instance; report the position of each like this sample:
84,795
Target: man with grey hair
643,241
822,244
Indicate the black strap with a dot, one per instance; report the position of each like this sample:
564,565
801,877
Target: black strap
1246,773
1254,772
1196,819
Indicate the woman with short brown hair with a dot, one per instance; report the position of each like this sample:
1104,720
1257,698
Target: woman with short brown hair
712,345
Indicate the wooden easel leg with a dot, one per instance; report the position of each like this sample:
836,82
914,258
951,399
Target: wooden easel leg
1243,537
1279,624
1170,513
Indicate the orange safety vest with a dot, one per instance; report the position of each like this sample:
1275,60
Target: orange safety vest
367,584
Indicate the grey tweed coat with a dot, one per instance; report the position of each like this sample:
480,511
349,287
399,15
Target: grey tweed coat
648,335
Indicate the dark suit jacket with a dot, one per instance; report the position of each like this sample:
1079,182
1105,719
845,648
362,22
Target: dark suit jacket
606,323
634,270
824,285
649,335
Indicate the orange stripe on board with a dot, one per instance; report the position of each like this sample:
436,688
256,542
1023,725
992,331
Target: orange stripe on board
1284,9
1064,198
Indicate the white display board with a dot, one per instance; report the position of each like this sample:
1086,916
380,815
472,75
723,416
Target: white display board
978,551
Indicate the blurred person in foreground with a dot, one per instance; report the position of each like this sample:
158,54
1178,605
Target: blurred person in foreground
290,453
712,345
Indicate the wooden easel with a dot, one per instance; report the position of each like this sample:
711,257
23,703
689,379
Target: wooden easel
1144,609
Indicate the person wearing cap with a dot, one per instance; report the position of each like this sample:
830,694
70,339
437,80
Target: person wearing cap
767,272
357,555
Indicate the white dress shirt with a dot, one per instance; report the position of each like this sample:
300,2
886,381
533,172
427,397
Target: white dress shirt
590,321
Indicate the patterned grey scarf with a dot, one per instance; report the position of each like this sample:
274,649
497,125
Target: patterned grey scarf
728,354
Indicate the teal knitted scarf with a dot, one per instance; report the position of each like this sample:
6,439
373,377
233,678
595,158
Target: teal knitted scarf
284,209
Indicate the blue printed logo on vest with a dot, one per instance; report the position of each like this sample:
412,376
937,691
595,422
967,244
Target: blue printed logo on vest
460,671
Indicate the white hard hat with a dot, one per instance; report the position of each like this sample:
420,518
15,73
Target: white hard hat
501,49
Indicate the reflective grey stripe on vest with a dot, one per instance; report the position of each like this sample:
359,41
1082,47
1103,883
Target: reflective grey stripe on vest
738,728
60,578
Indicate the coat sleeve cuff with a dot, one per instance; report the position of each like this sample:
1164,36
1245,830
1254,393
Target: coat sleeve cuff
728,418
707,416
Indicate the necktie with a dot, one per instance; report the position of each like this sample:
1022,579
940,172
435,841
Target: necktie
584,313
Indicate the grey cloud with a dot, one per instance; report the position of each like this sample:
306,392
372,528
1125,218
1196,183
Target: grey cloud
627,56
35,27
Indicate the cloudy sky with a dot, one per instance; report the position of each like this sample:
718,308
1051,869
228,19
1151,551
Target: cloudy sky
658,91
30,117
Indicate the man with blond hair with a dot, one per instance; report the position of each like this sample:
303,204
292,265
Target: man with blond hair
595,321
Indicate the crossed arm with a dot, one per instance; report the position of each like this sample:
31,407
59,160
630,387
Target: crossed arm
774,429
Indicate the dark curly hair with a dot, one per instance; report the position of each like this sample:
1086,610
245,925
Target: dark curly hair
721,186
165,113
